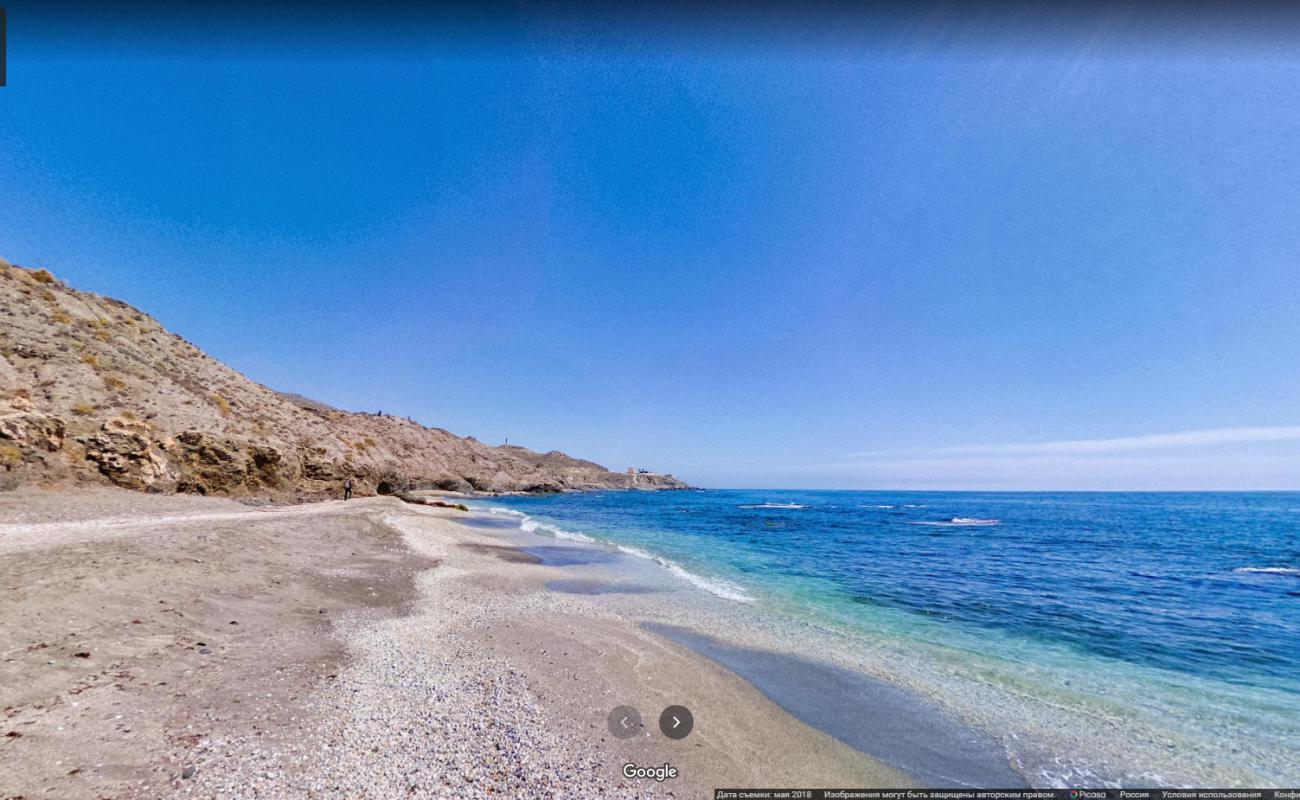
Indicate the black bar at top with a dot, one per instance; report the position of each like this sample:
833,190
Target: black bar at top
1006,794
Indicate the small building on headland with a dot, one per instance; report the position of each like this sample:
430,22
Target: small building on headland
647,478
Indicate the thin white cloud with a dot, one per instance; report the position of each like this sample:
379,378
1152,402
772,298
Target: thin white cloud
1170,470
1153,441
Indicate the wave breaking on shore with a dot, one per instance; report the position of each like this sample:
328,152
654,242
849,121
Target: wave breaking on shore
714,586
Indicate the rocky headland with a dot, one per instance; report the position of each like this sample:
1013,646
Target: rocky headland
93,391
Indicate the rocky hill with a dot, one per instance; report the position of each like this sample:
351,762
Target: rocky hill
92,390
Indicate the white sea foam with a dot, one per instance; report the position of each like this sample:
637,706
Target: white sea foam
1270,570
880,506
714,586
961,522
775,505
914,505
530,525
510,512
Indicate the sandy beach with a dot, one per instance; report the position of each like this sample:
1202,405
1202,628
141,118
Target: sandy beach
176,645
576,401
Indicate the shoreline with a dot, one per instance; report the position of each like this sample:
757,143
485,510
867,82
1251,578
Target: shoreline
871,715
371,647
1138,724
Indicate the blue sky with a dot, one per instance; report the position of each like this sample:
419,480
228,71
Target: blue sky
918,250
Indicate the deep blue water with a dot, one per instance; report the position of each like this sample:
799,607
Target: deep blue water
1200,583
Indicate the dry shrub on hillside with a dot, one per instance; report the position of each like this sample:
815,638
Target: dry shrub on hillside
222,404
99,327
10,455
83,409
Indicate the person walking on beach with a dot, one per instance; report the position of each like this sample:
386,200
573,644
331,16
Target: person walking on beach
347,489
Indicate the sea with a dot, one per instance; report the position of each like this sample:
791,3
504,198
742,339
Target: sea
1116,639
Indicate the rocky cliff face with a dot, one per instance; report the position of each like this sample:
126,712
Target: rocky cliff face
93,390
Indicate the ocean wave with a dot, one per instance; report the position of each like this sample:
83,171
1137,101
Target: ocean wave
880,506
1270,570
714,586
774,505
961,522
914,505
509,512
530,525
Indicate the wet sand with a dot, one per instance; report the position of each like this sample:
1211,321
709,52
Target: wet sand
866,713
162,646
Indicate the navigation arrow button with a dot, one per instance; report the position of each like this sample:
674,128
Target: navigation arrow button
624,722
676,722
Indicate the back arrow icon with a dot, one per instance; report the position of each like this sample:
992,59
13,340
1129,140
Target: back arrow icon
623,721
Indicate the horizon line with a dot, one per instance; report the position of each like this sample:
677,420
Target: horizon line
991,491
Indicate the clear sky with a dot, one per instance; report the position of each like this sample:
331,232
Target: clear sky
925,249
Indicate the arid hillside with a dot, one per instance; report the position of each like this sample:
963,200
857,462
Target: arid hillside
92,390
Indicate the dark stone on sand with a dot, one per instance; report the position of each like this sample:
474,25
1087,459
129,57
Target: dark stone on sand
188,773
424,501
82,654
203,651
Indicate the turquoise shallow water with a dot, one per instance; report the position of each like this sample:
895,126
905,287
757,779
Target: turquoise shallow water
1180,613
